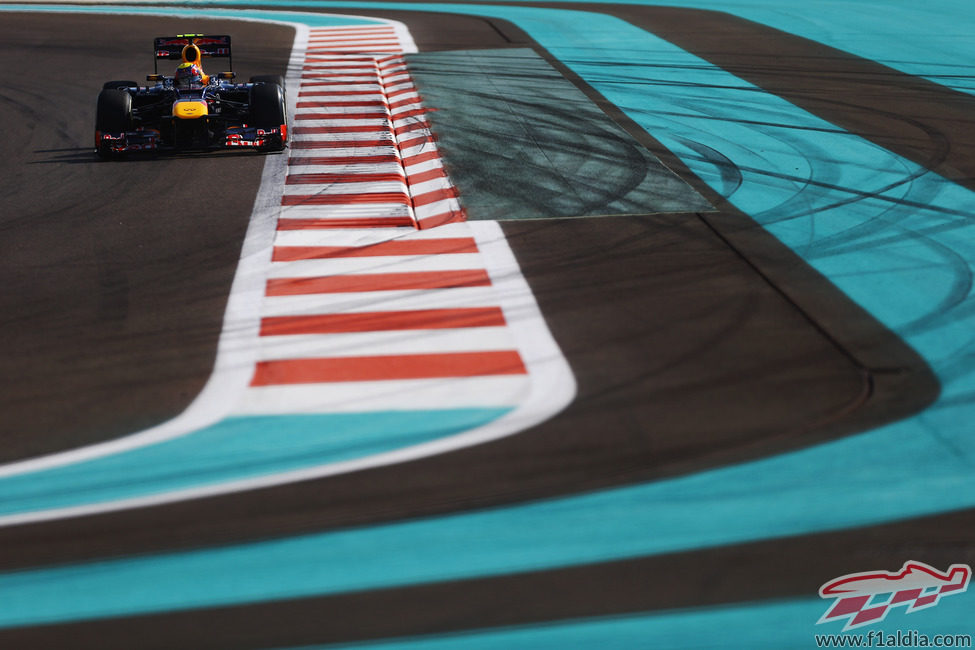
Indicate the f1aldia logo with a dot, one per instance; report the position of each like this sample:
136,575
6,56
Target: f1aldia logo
865,598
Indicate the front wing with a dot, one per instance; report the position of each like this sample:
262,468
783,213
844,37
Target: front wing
149,139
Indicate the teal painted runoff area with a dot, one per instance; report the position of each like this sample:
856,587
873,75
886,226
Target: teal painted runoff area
895,237
234,449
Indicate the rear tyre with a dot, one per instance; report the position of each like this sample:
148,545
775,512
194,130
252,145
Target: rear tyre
112,115
268,111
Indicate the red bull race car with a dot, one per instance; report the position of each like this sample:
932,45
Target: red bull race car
191,110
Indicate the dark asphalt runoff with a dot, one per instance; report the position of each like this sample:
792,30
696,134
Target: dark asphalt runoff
696,339
108,269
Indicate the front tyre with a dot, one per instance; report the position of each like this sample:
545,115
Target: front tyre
113,115
269,111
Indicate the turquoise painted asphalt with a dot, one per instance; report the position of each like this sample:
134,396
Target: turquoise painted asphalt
234,449
898,239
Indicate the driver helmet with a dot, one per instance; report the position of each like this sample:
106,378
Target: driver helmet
188,74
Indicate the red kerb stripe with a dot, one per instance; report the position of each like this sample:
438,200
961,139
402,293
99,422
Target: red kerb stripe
401,91
433,197
342,63
383,321
421,157
405,102
341,160
413,112
330,45
325,81
385,34
341,58
378,115
413,126
336,93
364,47
443,218
374,103
412,366
378,33
322,178
328,73
428,175
364,29
338,199
445,246
388,44
415,280
348,128
339,144
346,222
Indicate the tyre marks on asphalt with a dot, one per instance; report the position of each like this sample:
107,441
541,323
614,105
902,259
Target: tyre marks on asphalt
913,117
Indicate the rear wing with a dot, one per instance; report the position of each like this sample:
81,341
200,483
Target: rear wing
171,47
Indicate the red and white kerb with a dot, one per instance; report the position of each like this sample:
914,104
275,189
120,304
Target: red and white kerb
378,295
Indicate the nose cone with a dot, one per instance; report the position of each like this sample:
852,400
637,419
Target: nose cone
190,109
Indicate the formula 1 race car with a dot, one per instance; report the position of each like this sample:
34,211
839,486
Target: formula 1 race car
191,111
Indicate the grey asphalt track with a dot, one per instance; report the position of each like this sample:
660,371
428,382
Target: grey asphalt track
108,269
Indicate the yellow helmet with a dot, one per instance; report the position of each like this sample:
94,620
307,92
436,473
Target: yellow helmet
190,71
188,74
